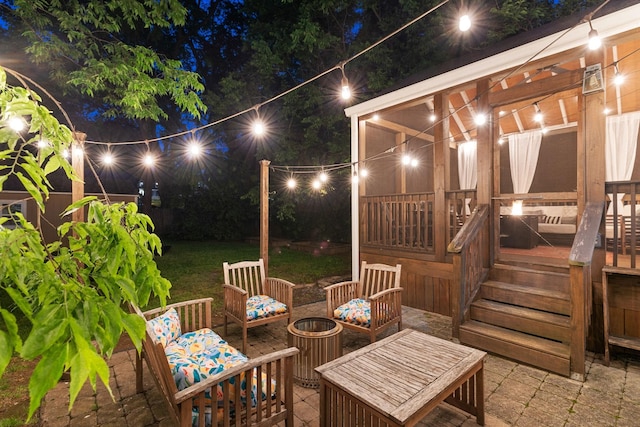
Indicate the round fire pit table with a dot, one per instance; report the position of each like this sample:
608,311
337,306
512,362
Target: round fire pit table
319,340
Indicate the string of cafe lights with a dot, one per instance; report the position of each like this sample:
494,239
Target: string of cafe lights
408,158
194,149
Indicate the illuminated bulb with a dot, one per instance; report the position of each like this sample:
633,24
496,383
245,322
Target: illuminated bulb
406,159
618,79
291,183
607,111
544,130
501,140
65,153
375,117
77,150
501,113
354,178
316,184
148,160
107,159
346,91
465,23
42,143
594,40
432,118
195,149
258,128
323,177
16,123
364,173
414,162
480,119
538,117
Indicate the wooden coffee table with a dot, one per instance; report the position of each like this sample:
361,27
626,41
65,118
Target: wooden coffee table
399,380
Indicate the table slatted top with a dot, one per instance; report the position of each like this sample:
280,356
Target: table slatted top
403,372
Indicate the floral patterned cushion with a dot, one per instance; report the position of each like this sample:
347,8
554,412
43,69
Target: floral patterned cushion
165,328
262,306
197,355
356,311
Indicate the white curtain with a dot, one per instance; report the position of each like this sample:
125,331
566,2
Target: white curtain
523,155
620,150
468,169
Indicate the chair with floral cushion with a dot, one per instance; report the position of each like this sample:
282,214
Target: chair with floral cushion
371,304
252,299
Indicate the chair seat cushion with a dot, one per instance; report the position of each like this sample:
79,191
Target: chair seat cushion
197,355
259,306
357,311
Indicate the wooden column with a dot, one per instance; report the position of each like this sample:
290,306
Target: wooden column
77,162
441,174
485,158
264,213
401,184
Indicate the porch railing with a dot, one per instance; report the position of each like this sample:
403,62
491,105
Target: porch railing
622,228
470,264
399,221
407,220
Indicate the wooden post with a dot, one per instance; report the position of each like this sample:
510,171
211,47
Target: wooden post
441,175
264,213
485,161
77,162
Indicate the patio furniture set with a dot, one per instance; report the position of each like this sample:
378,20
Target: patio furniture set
397,380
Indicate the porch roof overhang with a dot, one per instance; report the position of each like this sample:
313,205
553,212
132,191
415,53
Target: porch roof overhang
609,25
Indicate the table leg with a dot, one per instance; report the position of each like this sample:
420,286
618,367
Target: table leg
480,395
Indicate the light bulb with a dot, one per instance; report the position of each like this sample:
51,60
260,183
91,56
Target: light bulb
465,23
594,40
432,118
346,91
406,159
16,124
618,79
323,177
195,149
414,162
354,178
291,183
316,184
148,160
480,119
258,128
107,159
537,117
364,173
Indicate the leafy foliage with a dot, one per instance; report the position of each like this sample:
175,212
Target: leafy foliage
73,291
86,46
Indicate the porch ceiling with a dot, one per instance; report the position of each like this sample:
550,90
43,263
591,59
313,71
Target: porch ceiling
560,109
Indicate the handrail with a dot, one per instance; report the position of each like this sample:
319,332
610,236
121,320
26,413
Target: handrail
470,264
586,234
580,293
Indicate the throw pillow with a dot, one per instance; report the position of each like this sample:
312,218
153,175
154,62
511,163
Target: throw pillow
165,328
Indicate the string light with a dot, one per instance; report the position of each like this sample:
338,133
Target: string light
107,159
594,38
465,23
316,184
345,89
323,177
538,115
17,124
618,78
291,183
480,119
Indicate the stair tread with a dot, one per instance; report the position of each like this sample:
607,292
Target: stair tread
533,270
527,289
524,312
524,340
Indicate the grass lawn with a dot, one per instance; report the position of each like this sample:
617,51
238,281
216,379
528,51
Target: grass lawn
195,268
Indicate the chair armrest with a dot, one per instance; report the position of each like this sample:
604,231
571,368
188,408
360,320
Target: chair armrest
340,293
281,290
385,306
235,301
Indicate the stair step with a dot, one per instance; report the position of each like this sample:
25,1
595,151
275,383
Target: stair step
534,322
530,277
542,353
552,301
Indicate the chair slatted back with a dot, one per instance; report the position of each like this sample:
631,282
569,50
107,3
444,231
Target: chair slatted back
247,275
378,277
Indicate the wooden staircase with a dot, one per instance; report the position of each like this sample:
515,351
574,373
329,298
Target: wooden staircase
523,313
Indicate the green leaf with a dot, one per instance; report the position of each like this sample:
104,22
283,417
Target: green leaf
46,375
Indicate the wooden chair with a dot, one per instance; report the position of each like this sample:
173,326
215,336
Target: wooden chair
244,285
378,290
